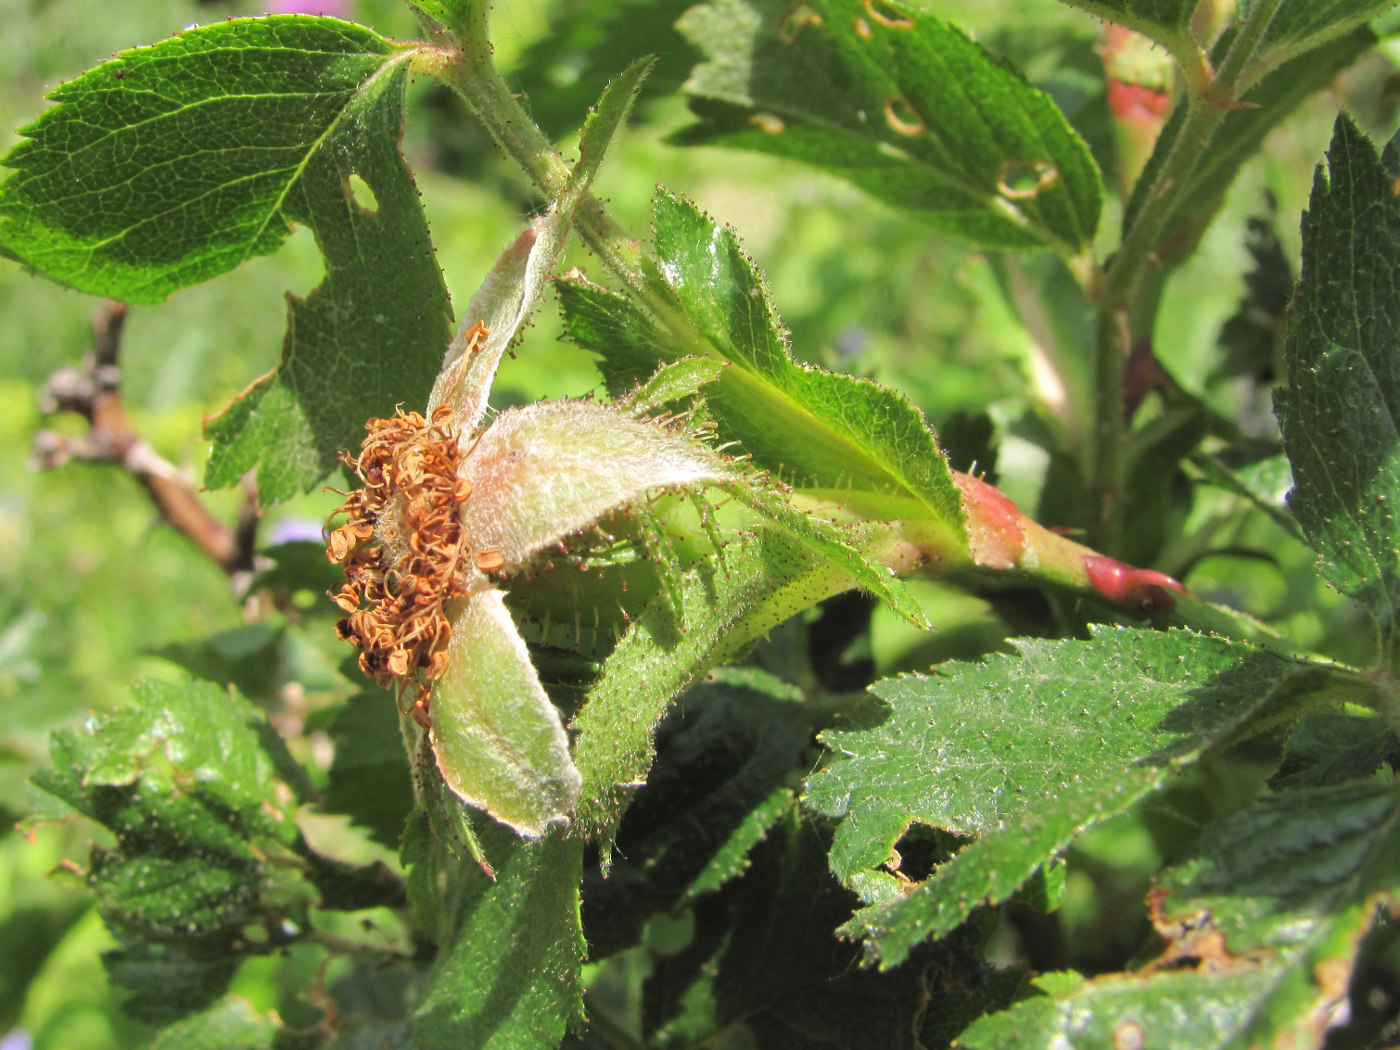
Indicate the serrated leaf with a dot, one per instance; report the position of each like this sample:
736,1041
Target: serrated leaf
760,580
727,762
1333,747
903,105
1338,409
1027,752
182,779
1166,21
778,978
1174,1011
820,430
507,975
1272,911
171,164
167,981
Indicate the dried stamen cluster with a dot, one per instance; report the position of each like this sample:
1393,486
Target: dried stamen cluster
404,551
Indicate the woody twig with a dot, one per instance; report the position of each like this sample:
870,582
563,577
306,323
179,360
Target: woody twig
92,390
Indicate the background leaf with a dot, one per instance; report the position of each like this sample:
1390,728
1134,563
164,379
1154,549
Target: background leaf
727,761
182,780
903,105
1166,21
1271,913
1300,25
183,154
1239,138
763,579
1339,406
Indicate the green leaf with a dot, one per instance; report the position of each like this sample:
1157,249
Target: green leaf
778,978
167,981
1274,910
1332,747
507,975
370,779
31,934
174,163
820,430
1166,21
605,119
1301,25
1026,751
903,105
1339,406
182,779
203,150
589,42
232,1024
760,580
727,763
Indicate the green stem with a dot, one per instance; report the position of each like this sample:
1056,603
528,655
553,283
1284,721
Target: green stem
1120,322
470,72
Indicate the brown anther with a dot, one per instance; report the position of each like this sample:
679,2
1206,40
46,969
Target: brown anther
493,560
411,494
437,665
398,663
419,711
476,337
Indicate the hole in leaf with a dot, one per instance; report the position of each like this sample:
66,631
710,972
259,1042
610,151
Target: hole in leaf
862,28
920,850
794,21
358,193
1024,179
769,122
903,117
887,15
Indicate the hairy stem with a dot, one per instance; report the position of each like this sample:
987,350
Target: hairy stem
1119,322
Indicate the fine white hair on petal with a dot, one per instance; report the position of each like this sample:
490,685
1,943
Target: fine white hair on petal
499,741
544,471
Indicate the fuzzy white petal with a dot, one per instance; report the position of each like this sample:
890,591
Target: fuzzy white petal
498,739
543,472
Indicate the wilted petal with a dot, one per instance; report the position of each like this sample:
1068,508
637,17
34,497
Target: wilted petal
502,304
498,739
547,470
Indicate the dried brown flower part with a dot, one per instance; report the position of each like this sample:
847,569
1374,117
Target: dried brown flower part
404,550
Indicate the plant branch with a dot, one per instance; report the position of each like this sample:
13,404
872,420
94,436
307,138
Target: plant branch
1120,322
92,391
470,72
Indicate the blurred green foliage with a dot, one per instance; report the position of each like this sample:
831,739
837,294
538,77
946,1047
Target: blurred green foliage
96,593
